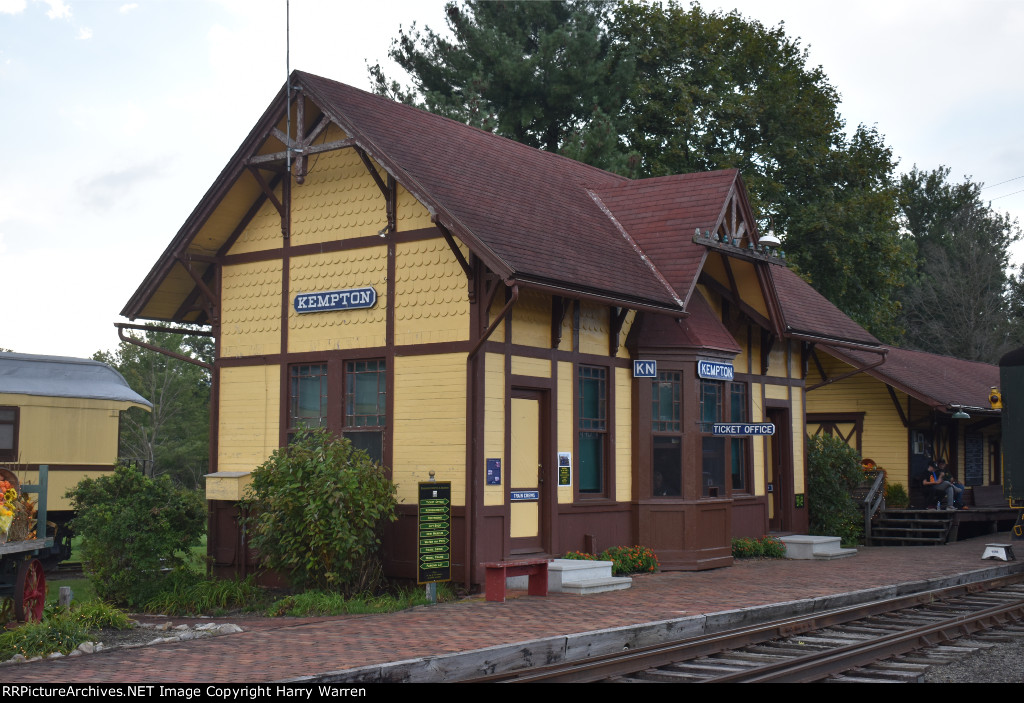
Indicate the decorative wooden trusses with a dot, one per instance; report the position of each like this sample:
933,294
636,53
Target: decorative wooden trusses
297,151
735,232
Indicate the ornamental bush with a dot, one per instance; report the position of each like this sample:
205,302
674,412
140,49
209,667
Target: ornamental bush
834,470
315,510
631,560
749,548
134,529
896,496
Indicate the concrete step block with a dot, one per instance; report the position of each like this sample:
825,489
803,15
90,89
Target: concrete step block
565,571
814,547
603,585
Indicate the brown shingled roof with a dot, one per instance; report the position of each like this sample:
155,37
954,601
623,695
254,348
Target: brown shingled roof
942,382
530,207
807,312
661,214
528,213
701,330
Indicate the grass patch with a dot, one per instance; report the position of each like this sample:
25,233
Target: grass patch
62,630
82,590
187,593
314,603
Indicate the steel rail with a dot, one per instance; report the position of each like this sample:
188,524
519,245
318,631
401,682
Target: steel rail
624,663
819,665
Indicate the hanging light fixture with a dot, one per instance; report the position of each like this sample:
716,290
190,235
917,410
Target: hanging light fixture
769,239
960,414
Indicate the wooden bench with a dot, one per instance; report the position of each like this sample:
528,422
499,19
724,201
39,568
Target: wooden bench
987,497
498,571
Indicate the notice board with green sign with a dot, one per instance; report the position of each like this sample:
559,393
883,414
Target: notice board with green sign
434,532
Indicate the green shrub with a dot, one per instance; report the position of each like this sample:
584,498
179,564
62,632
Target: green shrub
315,509
630,560
896,496
133,530
746,548
773,548
767,547
834,470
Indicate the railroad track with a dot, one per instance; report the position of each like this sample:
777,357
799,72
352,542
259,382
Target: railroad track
891,640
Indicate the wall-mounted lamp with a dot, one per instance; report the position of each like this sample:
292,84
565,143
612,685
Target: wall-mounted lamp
960,414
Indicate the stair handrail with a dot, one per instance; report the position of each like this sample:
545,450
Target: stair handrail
872,503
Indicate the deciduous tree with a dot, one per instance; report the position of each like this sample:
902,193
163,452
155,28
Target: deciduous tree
174,438
717,90
652,90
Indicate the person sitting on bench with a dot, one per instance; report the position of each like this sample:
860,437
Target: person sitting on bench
958,488
939,481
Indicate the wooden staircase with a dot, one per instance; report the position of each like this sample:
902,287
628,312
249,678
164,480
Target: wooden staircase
912,527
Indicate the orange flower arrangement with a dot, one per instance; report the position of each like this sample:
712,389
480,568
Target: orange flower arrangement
8,495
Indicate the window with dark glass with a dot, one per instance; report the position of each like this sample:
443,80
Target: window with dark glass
738,413
307,398
8,434
592,410
722,402
366,405
666,431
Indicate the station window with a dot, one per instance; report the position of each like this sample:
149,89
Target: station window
363,418
592,411
722,402
666,431
8,434
366,405
307,398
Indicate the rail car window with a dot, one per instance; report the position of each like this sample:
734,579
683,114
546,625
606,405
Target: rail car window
8,434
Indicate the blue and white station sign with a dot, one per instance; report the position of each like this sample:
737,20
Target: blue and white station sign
645,369
350,299
743,429
714,370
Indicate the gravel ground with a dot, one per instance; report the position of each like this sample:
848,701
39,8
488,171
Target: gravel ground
1003,663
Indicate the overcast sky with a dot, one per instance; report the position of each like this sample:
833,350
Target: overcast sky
117,116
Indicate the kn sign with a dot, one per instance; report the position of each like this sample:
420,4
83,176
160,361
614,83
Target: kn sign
645,369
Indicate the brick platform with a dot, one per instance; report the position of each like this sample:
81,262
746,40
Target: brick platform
275,649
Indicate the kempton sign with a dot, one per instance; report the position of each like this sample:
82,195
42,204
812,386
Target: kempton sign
350,299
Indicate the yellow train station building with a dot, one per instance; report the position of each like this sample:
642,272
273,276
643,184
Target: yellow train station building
571,349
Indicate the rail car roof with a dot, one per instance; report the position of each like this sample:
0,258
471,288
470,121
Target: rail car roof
64,377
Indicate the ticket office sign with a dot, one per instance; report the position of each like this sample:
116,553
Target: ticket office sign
434,532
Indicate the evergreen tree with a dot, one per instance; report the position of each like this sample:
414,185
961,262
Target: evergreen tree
541,73
962,299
